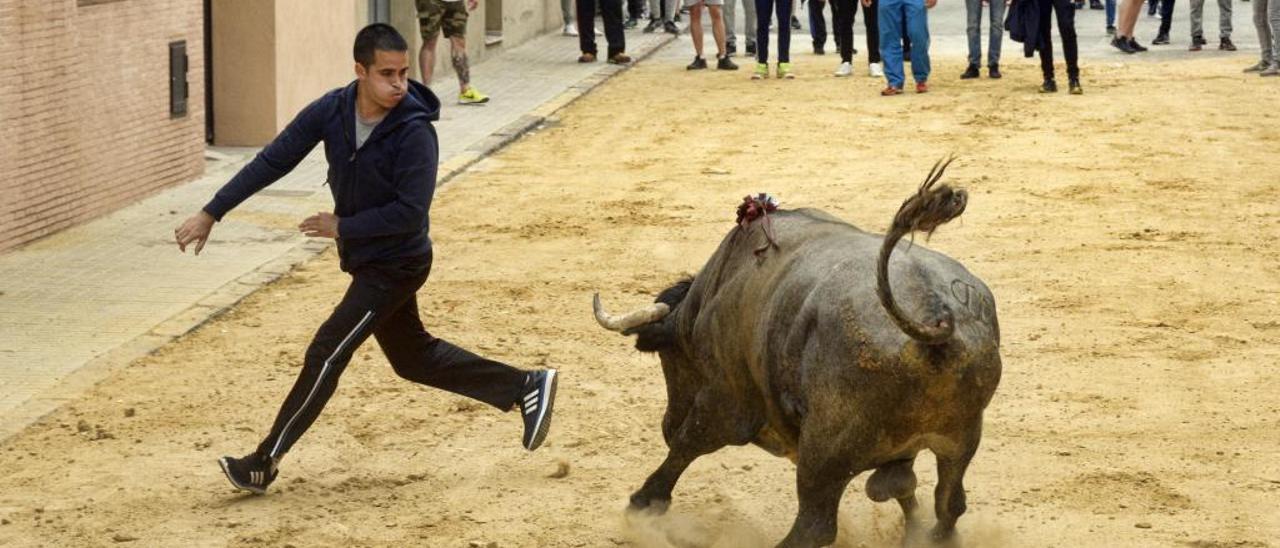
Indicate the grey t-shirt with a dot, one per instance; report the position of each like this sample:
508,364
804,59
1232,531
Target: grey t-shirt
364,130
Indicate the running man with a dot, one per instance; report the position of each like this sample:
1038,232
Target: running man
383,156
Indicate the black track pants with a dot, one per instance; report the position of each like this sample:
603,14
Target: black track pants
381,301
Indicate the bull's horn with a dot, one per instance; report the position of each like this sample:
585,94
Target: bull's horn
651,313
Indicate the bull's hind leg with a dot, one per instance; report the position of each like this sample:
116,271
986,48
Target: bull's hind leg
949,496
895,480
821,478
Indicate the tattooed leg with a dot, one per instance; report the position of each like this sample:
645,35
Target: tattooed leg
461,66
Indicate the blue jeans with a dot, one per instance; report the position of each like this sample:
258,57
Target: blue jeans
974,30
893,13
1111,13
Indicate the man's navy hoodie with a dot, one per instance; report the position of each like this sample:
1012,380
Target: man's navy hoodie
381,192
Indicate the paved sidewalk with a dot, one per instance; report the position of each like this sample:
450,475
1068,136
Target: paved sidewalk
78,304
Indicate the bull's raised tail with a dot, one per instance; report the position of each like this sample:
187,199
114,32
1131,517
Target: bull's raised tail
925,212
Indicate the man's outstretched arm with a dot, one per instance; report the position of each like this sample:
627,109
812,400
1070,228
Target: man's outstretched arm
274,161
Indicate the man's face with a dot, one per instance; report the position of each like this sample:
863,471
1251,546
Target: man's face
386,80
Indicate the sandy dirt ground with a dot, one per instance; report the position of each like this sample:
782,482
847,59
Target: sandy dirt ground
1130,237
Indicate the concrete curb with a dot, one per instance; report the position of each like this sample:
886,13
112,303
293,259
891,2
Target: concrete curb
224,298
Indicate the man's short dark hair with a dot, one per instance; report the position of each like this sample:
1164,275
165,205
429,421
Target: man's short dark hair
378,36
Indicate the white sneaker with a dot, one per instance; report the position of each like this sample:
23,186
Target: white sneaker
876,70
599,32
570,29
845,69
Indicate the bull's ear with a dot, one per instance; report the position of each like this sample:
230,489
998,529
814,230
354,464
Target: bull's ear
652,337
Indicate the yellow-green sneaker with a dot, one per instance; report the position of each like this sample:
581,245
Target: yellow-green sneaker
472,97
784,71
761,72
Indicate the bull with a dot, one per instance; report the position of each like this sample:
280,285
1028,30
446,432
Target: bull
842,350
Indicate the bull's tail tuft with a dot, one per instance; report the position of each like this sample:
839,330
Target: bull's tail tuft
925,211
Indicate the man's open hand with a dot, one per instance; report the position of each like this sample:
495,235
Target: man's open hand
320,225
194,229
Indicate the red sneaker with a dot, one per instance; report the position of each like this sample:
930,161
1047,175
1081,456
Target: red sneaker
922,87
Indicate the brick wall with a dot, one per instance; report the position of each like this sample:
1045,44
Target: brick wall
84,109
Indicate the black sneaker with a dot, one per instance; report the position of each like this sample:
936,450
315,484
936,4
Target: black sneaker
970,73
1073,84
1049,86
1111,30
730,49
631,23
697,64
1161,40
795,23
993,71
252,473
751,47
1095,5
1226,45
536,401
1122,44
670,27
818,49
654,24
1133,43
725,64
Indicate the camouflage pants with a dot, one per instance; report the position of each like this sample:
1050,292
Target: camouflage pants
437,15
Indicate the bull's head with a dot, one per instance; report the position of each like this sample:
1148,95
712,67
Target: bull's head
648,324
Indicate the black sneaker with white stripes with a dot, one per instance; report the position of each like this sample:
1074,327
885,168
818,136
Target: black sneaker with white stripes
252,473
536,401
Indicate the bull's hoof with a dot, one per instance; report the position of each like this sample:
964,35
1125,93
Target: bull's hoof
943,535
641,502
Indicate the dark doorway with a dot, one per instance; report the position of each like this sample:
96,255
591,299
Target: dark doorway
208,71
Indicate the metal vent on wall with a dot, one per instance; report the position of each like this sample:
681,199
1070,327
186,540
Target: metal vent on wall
178,79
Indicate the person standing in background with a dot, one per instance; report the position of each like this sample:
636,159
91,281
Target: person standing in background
1266,18
1124,40
1197,25
894,16
748,26
1065,13
1166,22
717,32
566,12
974,30
613,34
449,17
765,11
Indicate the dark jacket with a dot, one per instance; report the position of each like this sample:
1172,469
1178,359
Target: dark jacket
381,193
1023,24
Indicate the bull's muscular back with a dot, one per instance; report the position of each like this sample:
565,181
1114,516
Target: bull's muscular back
802,324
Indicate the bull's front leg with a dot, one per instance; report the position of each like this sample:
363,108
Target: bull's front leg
655,495
710,424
